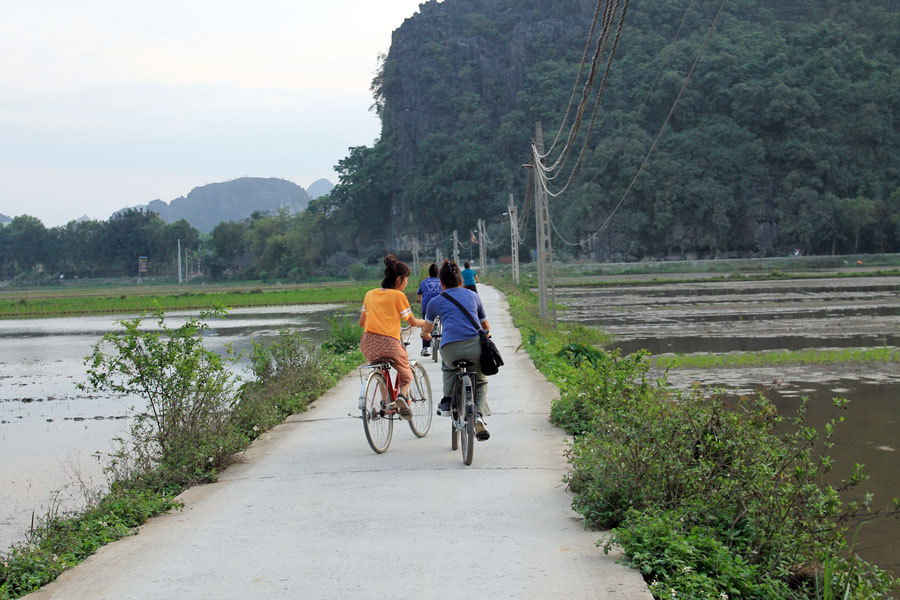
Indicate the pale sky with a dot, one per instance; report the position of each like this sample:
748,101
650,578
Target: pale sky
112,103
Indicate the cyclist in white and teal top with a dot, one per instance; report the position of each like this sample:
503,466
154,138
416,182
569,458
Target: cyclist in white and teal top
469,278
459,340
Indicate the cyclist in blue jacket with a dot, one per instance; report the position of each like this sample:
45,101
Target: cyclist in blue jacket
459,340
428,289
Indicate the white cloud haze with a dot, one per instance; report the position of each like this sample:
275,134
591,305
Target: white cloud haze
106,104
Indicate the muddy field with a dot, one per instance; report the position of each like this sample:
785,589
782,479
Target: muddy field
750,316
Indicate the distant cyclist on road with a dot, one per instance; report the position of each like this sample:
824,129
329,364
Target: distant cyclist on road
428,289
459,340
382,311
469,278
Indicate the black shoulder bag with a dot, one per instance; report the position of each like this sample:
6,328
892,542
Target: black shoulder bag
490,359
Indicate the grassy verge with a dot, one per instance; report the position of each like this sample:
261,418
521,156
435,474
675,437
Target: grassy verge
194,424
139,301
810,356
706,500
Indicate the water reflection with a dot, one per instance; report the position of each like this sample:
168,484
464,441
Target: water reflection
869,435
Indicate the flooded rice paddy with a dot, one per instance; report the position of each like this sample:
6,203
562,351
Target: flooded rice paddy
50,430
741,316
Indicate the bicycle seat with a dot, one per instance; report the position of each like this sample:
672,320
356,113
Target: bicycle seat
462,364
381,363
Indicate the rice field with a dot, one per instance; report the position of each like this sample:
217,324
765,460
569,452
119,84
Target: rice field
129,300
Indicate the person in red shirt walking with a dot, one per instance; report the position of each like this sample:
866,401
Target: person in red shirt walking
382,311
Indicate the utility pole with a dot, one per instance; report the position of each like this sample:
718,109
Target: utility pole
437,257
415,253
514,238
482,252
455,248
179,261
542,220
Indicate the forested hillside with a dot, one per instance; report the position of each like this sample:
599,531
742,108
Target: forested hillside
788,135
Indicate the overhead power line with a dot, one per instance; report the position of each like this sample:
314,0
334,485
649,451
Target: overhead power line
542,179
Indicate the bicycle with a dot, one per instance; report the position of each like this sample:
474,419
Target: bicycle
377,396
462,410
436,339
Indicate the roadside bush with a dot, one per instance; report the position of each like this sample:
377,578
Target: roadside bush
691,560
598,380
730,479
59,541
289,374
344,334
185,434
708,499
193,425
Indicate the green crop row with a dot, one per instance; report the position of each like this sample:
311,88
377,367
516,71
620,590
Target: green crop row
811,356
137,303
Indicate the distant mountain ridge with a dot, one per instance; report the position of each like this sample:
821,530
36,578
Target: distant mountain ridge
4,219
319,187
208,205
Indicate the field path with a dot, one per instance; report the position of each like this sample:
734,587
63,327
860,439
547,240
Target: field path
312,512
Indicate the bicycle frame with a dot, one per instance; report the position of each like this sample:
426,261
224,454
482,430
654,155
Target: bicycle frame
378,395
385,369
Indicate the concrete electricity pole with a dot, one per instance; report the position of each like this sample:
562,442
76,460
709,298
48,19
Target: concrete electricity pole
455,247
514,238
542,220
179,261
482,251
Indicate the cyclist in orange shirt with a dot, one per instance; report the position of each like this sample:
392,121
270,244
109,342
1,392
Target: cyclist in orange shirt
382,311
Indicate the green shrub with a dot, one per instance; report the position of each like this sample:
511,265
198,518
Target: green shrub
185,431
59,541
681,560
597,380
344,334
707,498
190,403
289,374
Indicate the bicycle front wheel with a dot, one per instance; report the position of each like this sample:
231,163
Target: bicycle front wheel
378,425
420,402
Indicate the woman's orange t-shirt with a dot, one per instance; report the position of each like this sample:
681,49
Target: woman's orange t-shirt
384,309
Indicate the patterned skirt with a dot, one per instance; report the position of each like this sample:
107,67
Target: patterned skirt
383,348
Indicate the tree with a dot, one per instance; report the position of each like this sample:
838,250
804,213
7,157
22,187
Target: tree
25,242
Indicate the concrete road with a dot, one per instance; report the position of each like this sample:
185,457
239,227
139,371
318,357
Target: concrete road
312,512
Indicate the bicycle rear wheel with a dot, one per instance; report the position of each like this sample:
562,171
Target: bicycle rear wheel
455,403
378,425
436,340
467,435
420,402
